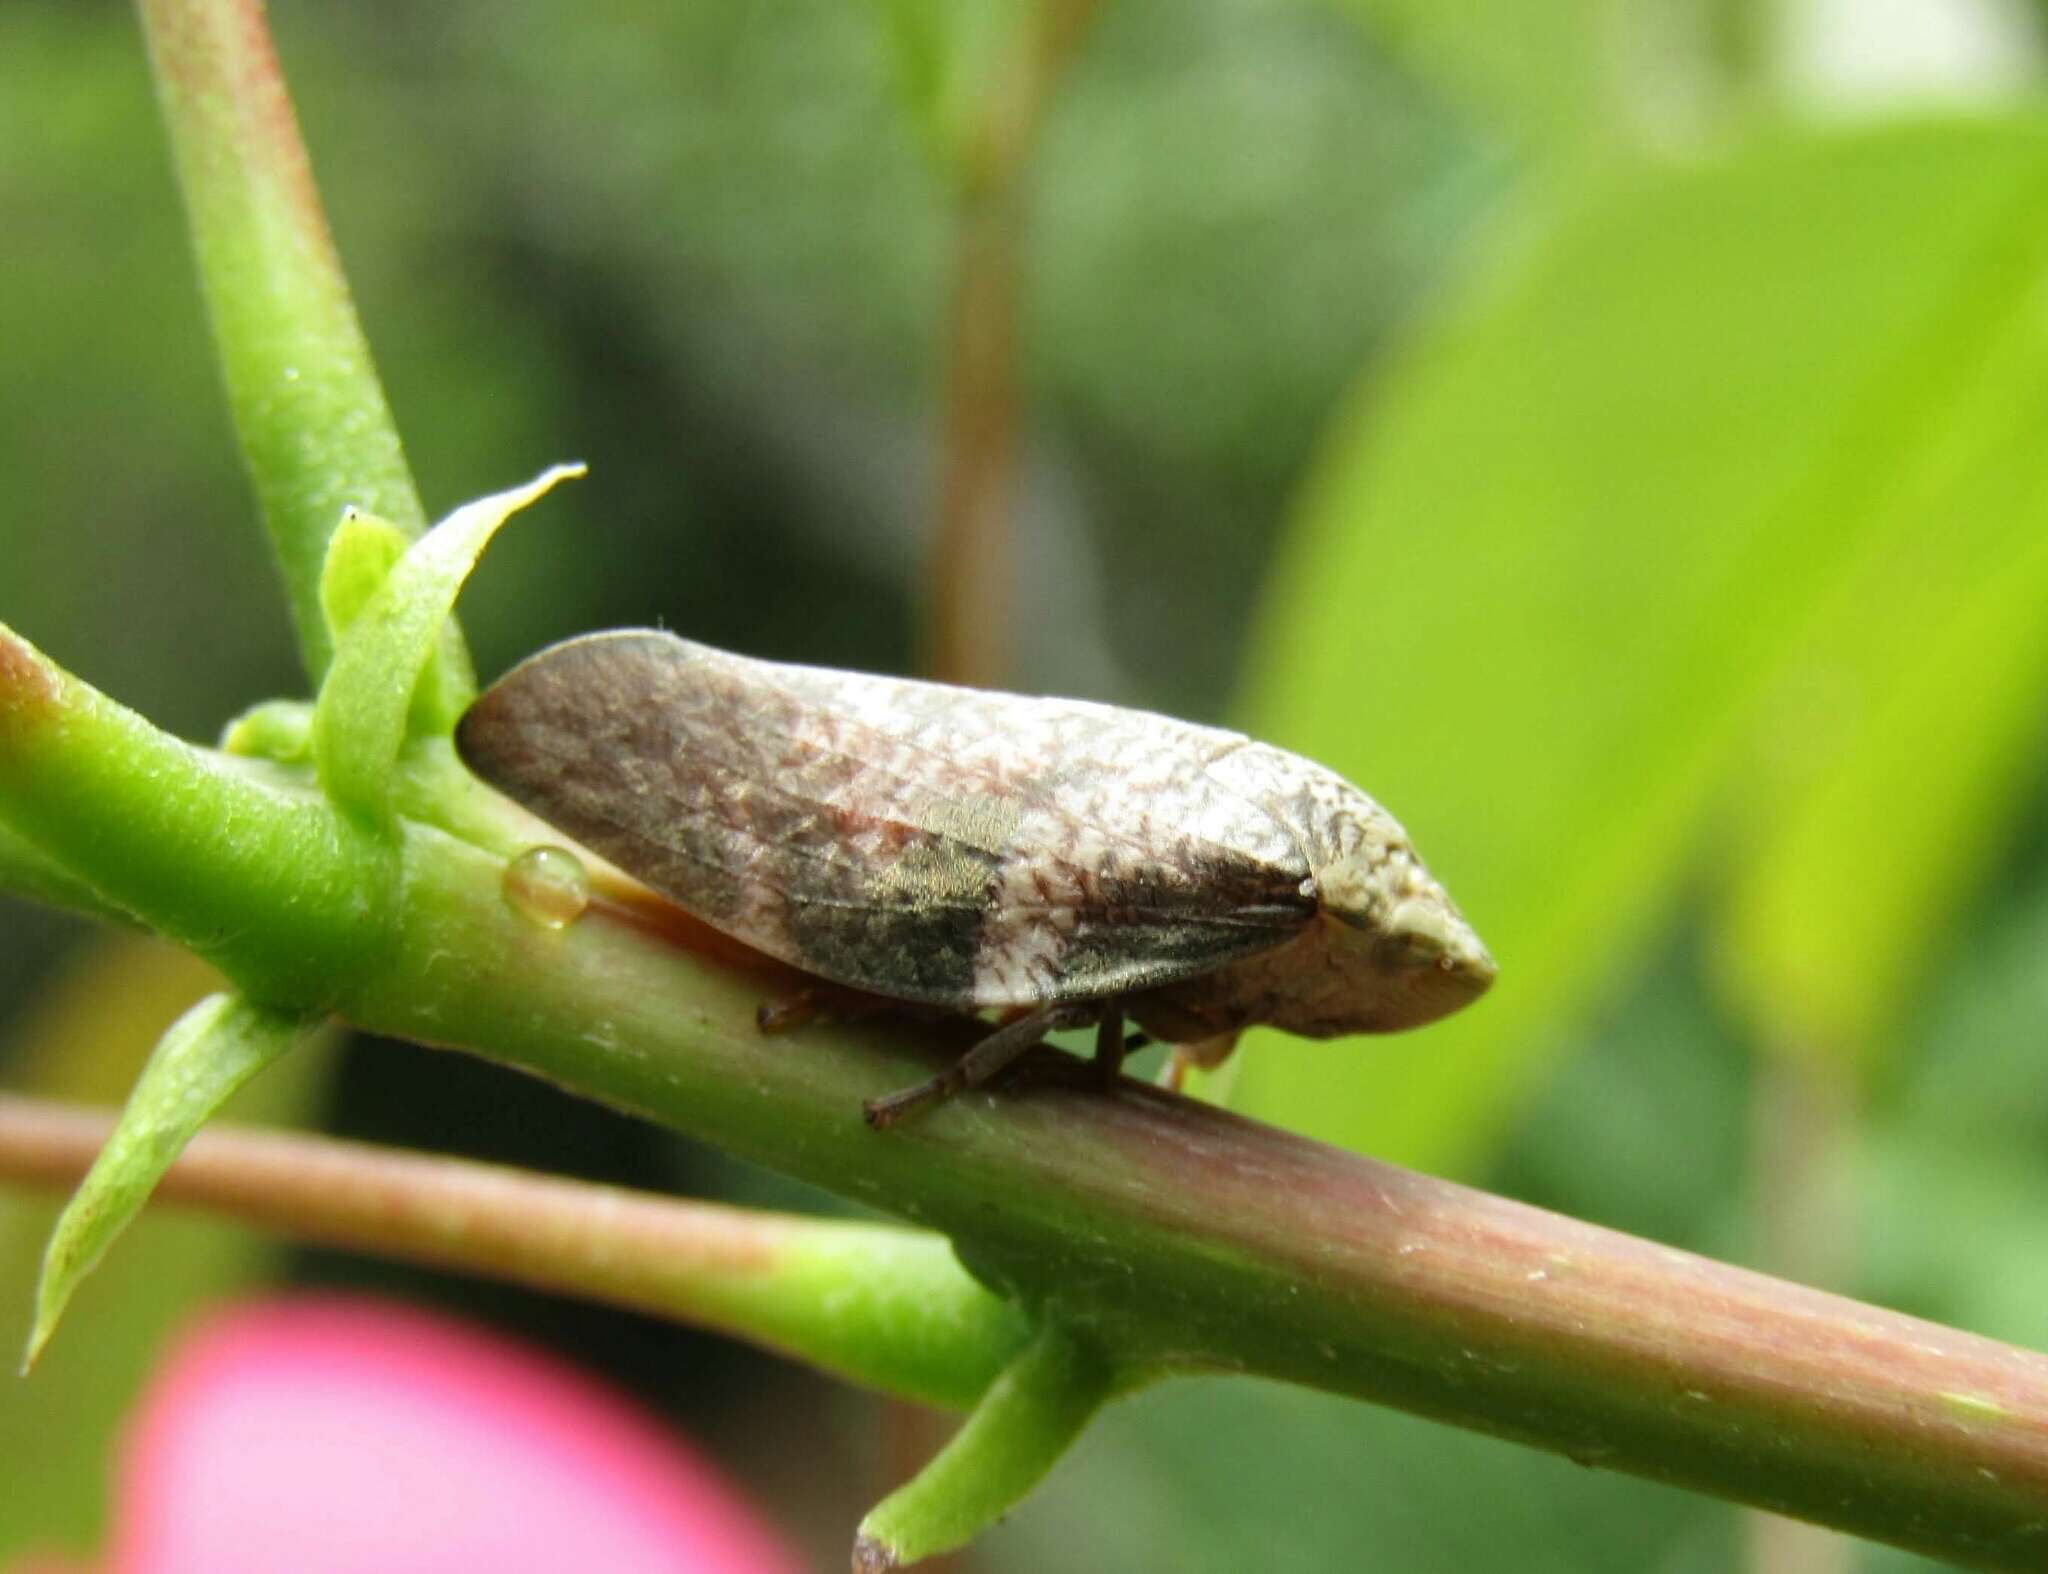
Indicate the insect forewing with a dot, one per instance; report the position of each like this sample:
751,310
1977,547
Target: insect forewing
918,841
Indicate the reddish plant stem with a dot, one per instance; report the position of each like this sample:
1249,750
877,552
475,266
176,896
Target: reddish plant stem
971,562
1803,1115
753,1274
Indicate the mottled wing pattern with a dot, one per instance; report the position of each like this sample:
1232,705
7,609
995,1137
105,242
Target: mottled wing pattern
918,841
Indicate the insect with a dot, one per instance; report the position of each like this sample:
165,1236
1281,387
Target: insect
1057,862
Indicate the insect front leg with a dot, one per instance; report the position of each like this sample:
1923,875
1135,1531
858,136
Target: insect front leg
983,1061
1206,1053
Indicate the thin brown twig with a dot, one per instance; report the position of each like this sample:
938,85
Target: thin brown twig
1802,1113
745,1272
970,569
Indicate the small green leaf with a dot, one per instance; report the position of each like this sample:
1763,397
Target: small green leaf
360,554
360,721
204,1057
1027,1419
1546,74
276,730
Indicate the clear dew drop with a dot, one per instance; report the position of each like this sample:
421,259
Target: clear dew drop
548,885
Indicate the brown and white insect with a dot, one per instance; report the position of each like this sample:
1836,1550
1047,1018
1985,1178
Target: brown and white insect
1058,862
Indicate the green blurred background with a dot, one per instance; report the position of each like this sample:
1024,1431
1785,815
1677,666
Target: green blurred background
1611,432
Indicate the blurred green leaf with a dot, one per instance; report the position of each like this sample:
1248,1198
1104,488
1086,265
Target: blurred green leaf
1954,1230
1910,724
1977,1081
1645,1125
1542,73
1550,570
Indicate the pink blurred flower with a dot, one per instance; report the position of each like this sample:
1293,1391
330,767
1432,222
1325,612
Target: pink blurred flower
330,1435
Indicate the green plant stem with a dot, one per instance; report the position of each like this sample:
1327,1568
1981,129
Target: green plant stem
29,873
1168,1234
315,431
1030,1415
246,866
877,1304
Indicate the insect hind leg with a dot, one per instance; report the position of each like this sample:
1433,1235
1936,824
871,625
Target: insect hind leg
984,1060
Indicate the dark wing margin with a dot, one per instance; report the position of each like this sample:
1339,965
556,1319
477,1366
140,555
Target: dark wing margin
812,821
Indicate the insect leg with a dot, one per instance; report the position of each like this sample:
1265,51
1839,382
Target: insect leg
788,1009
1206,1053
781,1013
1110,1047
980,1063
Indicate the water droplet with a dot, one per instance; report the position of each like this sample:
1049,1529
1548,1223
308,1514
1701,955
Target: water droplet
548,885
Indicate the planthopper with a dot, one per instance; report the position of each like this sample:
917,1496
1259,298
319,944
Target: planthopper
1054,862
